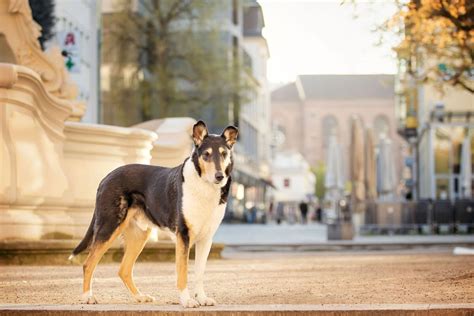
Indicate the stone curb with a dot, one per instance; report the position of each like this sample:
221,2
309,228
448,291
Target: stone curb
329,309
344,245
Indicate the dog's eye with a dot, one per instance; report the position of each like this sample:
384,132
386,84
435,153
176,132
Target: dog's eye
206,155
224,154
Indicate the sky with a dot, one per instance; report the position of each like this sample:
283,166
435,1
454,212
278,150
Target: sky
325,37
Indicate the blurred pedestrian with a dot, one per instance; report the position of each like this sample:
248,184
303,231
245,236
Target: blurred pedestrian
319,214
304,212
280,212
270,210
253,214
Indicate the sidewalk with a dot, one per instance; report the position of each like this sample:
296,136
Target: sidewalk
314,236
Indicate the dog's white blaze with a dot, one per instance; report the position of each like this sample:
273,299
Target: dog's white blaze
201,203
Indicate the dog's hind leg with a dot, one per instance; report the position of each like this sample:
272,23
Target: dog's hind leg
95,254
97,250
182,258
135,240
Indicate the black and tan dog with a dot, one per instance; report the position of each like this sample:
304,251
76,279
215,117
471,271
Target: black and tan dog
189,200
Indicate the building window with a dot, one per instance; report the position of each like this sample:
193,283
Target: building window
451,179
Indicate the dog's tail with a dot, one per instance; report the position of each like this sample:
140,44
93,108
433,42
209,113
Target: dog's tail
86,241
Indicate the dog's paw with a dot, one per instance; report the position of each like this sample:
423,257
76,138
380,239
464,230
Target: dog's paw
88,298
189,303
143,298
205,301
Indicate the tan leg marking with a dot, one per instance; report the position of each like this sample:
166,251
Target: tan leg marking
95,254
135,240
182,259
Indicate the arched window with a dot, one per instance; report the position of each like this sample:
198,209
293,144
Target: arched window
330,127
381,126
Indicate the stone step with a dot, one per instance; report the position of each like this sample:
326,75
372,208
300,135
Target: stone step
234,310
56,252
351,246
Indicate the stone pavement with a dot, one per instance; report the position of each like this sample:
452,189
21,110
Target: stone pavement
314,283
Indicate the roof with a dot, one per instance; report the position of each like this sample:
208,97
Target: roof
287,92
338,87
253,19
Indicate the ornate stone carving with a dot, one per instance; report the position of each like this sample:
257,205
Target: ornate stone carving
8,75
21,33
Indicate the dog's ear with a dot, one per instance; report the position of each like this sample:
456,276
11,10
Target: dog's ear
199,132
230,135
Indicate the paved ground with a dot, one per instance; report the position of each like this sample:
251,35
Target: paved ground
254,234
323,278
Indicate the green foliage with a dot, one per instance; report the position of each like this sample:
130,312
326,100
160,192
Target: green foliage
172,59
320,171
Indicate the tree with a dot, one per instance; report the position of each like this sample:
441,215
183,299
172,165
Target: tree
43,14
320,172
436,40
172,58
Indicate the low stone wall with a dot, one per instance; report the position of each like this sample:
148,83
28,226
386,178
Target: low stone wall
56,252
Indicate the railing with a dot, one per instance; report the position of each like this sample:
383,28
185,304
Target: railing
422,217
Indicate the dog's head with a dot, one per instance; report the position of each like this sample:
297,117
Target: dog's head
212,155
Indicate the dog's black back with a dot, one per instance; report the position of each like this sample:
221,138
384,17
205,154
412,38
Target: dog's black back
155,190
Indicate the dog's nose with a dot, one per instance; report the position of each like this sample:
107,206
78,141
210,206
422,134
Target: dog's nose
219,176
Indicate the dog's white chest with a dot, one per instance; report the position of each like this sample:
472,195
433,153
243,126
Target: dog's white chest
201,208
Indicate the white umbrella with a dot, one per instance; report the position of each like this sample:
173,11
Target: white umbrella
466,169
371,166
357,164
386,178
334,178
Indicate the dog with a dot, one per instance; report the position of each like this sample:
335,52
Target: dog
189,200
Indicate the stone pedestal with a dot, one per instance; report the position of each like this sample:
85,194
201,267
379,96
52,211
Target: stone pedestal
31,151
340,231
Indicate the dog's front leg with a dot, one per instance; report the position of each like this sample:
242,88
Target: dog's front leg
202,252
182,258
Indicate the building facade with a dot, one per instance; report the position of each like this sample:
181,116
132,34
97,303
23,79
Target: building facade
440,129
307,112
77,34
253,149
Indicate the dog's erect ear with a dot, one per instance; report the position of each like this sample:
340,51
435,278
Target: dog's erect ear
230,135
199,132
